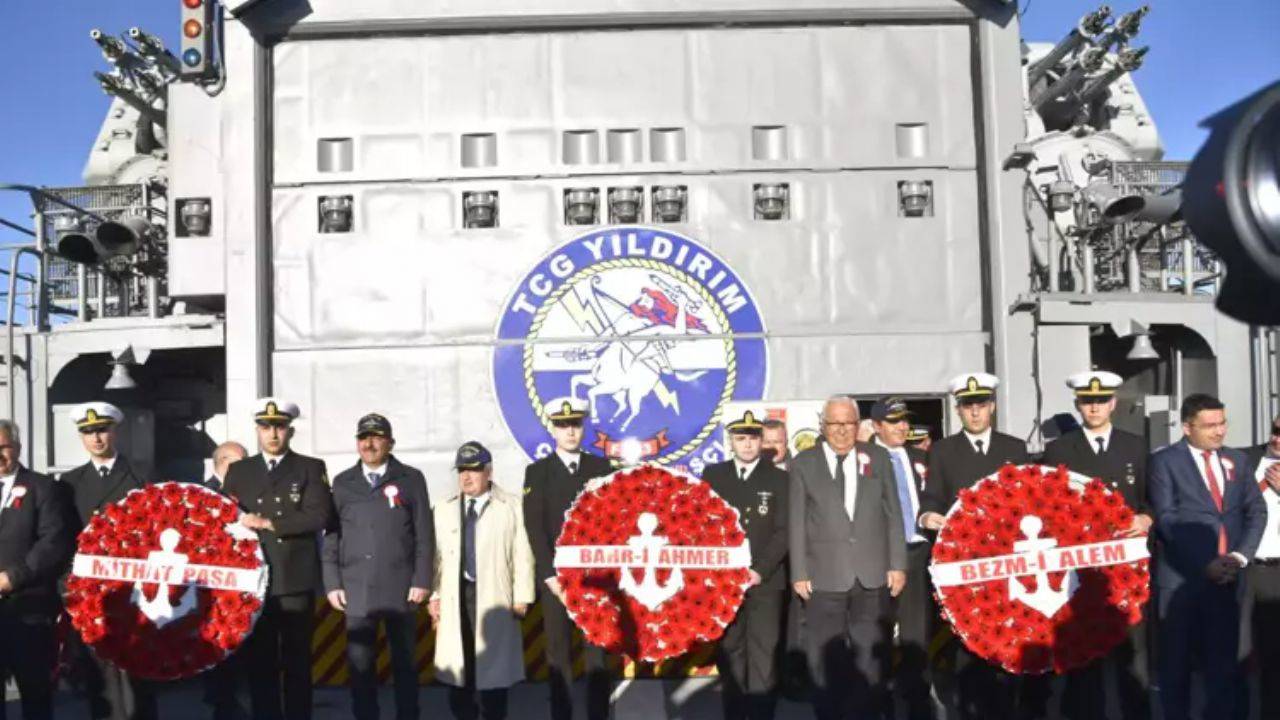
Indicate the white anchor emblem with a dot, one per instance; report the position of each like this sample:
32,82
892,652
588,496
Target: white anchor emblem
649,592
159,610
1045,599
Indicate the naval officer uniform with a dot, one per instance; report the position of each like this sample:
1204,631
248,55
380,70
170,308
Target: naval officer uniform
747,654
1118,459
289,491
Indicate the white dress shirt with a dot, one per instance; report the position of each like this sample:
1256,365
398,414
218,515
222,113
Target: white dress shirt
1093,436
569,459
913,511
1220,477
6,489
1269,548
482,501
380,471
750,468
984,436
109,465
268,458
850,475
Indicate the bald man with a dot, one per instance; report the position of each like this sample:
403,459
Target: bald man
223,456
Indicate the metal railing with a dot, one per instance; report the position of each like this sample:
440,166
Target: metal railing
1131,256
1165,258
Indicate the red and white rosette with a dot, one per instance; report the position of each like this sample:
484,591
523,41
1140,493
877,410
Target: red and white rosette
652,562
166,582
1034,571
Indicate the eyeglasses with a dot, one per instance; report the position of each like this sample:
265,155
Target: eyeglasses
831,424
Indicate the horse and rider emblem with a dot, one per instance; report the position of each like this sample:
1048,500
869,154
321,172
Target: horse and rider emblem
653,331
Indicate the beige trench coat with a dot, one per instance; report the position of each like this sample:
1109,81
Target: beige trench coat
504,577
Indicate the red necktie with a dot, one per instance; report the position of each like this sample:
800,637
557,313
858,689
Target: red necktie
1217,499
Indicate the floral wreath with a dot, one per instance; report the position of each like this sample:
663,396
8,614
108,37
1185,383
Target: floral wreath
1022,526
187,539
684,591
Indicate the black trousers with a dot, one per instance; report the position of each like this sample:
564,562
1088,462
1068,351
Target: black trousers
1085,694
281,645
110,692
466,702
559,631
987,692
1264,588
220,683
27,654
747,655
848,650
914,611
1201,621
362,660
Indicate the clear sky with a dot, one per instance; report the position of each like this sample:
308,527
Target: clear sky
1204,55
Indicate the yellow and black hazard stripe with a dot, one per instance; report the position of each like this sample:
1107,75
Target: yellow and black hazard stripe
329,652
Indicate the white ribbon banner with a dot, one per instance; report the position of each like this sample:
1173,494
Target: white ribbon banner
685,557
134,570
1075,557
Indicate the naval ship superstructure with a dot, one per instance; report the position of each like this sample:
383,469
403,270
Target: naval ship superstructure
341,202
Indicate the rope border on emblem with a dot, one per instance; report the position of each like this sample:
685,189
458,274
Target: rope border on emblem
731,366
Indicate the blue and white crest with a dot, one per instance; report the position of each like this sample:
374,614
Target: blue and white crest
650,328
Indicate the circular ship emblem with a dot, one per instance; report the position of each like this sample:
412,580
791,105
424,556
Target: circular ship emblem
648,327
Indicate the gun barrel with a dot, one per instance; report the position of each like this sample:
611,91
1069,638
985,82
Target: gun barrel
1125,28
114,86
1089,25
112,47
1128,61
1131,22
153,49
1089,61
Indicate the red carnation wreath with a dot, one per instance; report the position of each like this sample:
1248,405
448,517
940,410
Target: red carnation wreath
686,554
187,539
1022,526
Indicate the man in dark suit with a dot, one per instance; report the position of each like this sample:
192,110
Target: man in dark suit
550,487
220,681
37,540
1119,459
378,564
1264,574
285,497
955,463
914,609
1209,518
747,654
105,479
848,557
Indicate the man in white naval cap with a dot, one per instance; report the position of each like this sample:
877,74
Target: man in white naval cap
957,462
286,498
1119,459
550,486
105,479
